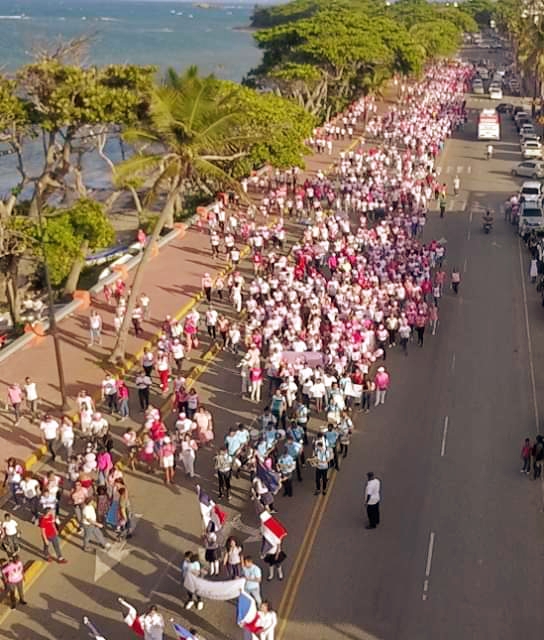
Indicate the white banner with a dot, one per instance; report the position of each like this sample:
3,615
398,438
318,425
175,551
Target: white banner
211,590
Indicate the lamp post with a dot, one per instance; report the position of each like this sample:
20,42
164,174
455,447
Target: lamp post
53,327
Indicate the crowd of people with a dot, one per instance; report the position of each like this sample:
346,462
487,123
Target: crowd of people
313,326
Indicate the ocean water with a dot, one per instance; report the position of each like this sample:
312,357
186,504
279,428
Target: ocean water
176,34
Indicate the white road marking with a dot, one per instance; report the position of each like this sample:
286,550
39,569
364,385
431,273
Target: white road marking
468,234
444,436
459,169
469,169
453,363
465,266
448,169
529,341
429,555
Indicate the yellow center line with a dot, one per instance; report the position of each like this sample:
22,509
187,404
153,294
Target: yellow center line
288,599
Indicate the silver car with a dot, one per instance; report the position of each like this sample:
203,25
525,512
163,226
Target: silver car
529,169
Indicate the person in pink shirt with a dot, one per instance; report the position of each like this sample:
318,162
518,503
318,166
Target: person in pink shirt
382,385
15,397
256,382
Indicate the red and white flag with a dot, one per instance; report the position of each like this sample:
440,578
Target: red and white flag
132,619
272,529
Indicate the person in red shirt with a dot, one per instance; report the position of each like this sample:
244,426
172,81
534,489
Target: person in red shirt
50,536
13,575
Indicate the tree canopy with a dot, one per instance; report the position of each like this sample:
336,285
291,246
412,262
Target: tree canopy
323,54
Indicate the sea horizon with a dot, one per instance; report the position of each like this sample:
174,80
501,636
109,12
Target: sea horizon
163,33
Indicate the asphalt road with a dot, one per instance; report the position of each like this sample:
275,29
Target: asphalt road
459,550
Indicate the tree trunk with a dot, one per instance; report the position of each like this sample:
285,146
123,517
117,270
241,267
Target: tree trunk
75,271
137,203
119,351
13,291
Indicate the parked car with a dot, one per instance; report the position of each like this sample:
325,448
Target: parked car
529,169
531,149
505,107
530,190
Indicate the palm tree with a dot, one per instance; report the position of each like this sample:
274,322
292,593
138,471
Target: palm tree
193,134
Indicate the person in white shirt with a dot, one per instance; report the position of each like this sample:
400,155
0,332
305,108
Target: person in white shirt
372,500
92,529
30,487
153,624
10,534
269,620
31,396
50,429
95,328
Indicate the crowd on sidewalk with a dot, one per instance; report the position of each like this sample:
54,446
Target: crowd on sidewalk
314,327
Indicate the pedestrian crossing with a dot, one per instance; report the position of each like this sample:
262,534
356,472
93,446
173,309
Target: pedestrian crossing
453,170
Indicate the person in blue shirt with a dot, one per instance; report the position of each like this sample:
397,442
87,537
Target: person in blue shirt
232,440
295,449
332,439
253,575
302,415
286,466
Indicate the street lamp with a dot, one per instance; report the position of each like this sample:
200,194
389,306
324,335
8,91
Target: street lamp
53,327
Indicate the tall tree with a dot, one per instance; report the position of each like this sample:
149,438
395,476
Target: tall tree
193,134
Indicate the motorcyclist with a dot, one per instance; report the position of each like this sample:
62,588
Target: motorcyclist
489,151
488,219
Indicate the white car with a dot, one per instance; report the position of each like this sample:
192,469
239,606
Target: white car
529,169
495,93
531,149
530,191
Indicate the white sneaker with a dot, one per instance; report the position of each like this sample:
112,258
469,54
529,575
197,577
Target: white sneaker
200,605
190,605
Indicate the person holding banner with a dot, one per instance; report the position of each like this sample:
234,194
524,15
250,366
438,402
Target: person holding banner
269,621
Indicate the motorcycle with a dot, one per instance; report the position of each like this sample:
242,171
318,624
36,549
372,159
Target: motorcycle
487,226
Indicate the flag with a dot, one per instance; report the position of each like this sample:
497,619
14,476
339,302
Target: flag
272,530
132,619
213,589
182,633
247,615
95,633
213,516
270,479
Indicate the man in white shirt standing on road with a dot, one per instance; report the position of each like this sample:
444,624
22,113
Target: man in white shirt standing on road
372,500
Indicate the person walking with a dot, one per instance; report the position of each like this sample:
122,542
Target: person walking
153,624
95,328
50,431
50,536
189,448
372,500
10,535
223,465
109,392
323,458
253,575
232,558
13,576
167,452
143,384
15,398
207,283
191,564
31,397
455,280
537,454
526,456
92,529
212,552
268,620
382,382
